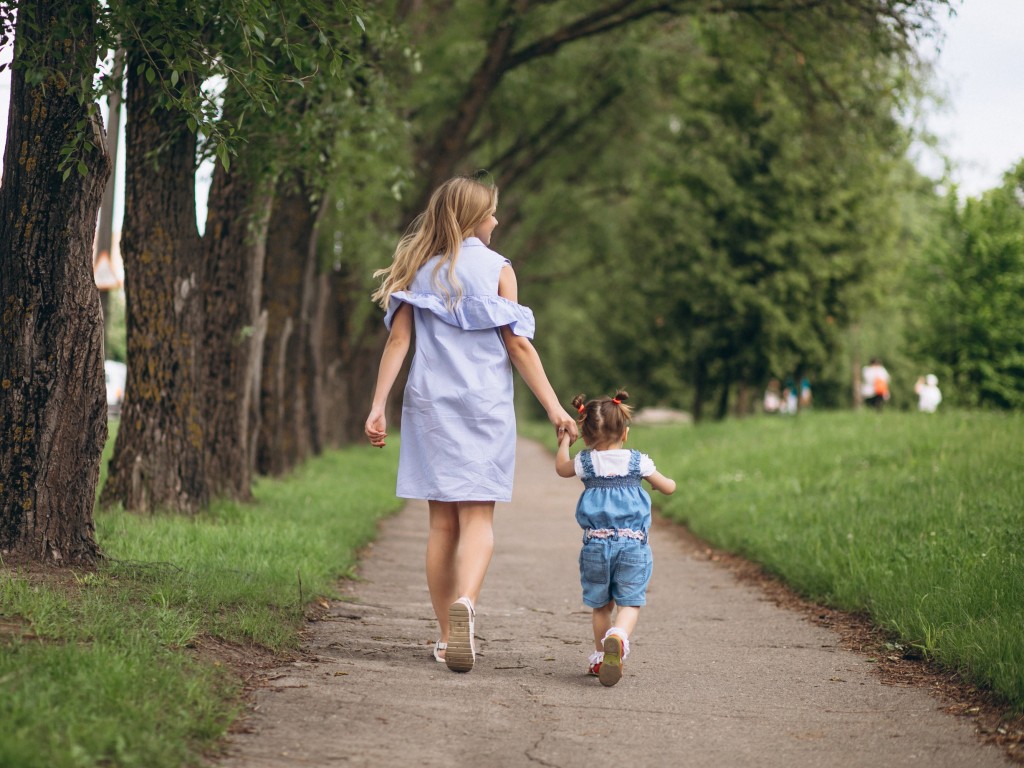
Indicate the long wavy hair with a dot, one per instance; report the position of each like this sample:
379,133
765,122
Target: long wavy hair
455,210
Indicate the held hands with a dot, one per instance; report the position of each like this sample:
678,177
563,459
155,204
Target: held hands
376,428
564,438
565,425
563,463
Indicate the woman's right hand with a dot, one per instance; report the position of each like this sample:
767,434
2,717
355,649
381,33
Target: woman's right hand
564,424
376,428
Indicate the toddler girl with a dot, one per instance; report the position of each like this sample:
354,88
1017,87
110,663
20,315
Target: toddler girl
615,514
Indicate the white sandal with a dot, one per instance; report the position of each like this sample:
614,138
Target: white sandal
461,653
616,649
438,647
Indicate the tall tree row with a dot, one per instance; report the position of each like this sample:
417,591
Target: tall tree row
228,386
708,164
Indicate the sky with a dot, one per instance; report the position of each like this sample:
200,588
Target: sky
980,66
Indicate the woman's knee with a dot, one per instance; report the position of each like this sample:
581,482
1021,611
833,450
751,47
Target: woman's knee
444,518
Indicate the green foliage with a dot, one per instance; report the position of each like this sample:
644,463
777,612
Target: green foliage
746,225
109,655
217,62
782,191
969,286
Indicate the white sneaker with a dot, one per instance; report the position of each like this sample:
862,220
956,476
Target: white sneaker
461,653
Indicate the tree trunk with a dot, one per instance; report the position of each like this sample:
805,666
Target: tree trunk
235,251
699,387
351,354
723,401
744,403
158,460
53,412
285,437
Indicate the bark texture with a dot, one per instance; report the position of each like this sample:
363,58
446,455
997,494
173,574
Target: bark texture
236,327
351,350
158,460
53,419
287,389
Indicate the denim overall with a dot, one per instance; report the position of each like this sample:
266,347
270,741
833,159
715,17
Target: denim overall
615,515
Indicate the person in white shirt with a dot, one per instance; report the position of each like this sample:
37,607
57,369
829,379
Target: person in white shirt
928,394
874,386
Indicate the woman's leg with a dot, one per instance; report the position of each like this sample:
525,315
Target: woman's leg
476,545
442,545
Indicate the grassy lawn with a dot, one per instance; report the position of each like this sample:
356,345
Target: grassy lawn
915,519
99,668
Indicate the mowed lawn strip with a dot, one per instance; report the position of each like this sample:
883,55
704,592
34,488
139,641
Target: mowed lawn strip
916,519
99,668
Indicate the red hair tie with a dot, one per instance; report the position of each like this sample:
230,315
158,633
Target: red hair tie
616,401
582,408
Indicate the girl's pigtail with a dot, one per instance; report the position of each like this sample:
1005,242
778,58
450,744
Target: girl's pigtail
579,403
620,400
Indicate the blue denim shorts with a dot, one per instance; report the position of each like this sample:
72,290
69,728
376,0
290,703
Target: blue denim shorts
615,569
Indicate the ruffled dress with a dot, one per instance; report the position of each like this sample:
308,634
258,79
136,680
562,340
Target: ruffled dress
458,421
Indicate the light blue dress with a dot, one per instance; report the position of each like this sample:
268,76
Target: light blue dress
458,421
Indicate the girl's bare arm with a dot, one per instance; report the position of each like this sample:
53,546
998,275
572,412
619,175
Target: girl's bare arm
563,464
661,483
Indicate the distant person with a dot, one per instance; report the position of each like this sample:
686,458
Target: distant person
772,397
928,394
614,512
790,399
875,384
458,423
806,396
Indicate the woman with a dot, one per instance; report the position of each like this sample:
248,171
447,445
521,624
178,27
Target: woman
458,421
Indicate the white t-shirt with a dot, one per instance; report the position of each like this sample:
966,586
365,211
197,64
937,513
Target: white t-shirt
614,463
929,398
869,374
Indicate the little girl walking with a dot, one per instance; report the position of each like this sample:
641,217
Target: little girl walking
614,512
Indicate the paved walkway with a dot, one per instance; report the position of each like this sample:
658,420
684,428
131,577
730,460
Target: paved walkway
719,676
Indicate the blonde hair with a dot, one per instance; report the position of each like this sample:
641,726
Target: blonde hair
604,419
455,210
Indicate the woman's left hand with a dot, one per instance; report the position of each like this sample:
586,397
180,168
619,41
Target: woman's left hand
376,428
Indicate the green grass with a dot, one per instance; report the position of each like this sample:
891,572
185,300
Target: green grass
103,670
917,520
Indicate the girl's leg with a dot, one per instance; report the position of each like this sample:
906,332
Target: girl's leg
602,619
442,545
626,619
476,545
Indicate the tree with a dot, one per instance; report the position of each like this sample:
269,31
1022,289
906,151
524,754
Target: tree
52,403
969,288
544,110
158,459
195,327
757,199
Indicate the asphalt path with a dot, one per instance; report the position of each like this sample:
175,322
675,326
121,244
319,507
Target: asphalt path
719,675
